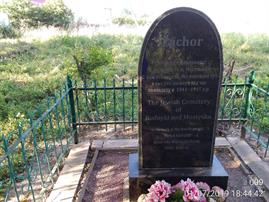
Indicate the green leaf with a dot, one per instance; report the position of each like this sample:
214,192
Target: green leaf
176,196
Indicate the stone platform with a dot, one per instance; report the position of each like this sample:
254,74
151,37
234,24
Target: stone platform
140,180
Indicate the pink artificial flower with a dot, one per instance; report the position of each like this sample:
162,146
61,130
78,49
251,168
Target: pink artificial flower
158,191
191,191
202,199
204,186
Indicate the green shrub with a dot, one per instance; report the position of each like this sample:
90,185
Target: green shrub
8,32
123,21
53,13
24,14
87,61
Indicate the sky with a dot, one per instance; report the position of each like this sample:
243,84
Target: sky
247,16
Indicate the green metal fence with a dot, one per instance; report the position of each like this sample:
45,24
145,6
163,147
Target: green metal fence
257,125
30,158
115,102
106,103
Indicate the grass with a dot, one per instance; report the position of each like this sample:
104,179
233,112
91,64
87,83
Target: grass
250,52
30,71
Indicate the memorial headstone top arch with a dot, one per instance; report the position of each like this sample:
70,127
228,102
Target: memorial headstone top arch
179,80
180,73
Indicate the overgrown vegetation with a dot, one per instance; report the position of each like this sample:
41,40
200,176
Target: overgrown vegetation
250,52
126,18
6,31
31,71
23,14
90,59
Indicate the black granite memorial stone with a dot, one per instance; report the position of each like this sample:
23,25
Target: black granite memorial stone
180,73
179,80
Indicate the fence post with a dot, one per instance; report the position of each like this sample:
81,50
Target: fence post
249,81
72,108
12,174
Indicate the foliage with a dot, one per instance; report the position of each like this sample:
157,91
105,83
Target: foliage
123,21
7,31
91,59
33,71
53,13
17,11
250,52
127,19
25,14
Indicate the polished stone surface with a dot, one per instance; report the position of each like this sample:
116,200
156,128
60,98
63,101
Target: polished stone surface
179,81
140,180
180,73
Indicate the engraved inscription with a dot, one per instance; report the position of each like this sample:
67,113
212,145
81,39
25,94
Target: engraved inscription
180,76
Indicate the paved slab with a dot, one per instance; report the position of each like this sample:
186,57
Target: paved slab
66,185
97,144
222,142
126,190
133,144
251,159
120,144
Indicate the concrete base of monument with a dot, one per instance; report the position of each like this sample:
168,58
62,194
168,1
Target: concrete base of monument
141,180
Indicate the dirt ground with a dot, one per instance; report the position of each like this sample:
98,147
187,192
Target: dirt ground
106,181
87,133
239,184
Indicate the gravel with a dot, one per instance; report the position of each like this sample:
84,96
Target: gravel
106,181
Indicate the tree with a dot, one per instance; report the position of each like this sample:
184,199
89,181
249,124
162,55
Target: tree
25,14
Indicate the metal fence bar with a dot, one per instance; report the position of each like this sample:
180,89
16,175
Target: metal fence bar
105,102
36,153
232,105
23,152
85,84
123,104
59,130
77,102
249,81
96,104
107,122
97,88
35,124
12,174
29,157
114,104
132,103
110,105
72,108
43,133
242,105
235,103
62,113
